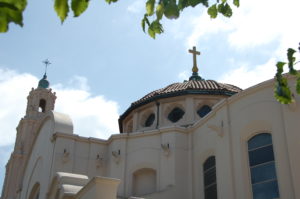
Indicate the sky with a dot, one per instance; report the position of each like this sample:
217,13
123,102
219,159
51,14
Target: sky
103,61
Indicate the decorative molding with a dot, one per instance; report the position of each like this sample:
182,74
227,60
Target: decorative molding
217,128
166,148
66,156
99,161
116,155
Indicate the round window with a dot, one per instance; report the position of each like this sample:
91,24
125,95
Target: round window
176,114
203,110
149,121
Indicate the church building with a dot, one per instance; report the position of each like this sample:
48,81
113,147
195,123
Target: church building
198,139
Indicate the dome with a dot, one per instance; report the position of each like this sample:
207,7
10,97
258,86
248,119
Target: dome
44,83
191,87
196,85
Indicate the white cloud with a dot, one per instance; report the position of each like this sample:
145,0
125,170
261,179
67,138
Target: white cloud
204,26
79,82
137,6
254,23
14,89
246,76
92,115
184,75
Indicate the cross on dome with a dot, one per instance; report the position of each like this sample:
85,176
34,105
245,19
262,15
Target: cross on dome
195,53
195,75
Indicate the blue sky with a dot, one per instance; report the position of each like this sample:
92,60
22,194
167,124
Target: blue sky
102,61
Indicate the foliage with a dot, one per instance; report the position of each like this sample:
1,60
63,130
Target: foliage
171,9
12,11
282,91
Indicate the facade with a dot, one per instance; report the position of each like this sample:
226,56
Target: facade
199,139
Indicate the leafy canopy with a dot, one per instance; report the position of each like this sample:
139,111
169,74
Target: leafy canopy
12,11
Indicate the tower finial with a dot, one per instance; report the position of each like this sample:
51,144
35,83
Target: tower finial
195,75
46,62
44,83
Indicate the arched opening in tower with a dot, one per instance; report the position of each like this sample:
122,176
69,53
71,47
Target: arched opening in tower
42,105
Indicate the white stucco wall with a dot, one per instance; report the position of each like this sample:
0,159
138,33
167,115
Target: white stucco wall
177,153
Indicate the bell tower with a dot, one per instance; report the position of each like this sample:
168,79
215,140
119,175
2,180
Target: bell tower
40,101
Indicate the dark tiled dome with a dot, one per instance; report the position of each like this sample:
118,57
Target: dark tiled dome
191,87
206,87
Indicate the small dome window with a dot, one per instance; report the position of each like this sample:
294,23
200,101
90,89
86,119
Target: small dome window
149,121
204,110
176,114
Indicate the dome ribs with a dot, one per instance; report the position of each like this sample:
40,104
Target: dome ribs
206,87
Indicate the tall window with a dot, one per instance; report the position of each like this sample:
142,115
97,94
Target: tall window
210,178
262,167
35,191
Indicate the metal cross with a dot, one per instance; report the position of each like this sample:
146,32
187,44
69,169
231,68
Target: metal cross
46,62
195,53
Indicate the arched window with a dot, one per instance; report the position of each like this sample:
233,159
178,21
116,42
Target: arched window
210,178
144,182
150,119
35,191
175,115
204,110
42,105
262,167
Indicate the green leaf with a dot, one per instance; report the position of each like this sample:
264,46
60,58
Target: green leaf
151,33
171,10
62,8
212,11
3,23
150,7
194,3
236,3
157,27
291,61
14,4
79,6
298,85
225,9
143,24
8,15
183,4
282,93
11,11
8,5
159,11
111,1
279,66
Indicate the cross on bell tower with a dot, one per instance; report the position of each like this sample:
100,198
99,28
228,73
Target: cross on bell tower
44,83
195,75
46,62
